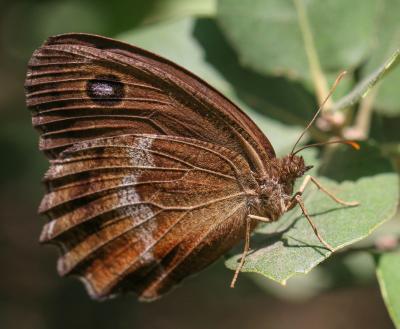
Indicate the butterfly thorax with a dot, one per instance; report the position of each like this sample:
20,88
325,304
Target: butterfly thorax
276,187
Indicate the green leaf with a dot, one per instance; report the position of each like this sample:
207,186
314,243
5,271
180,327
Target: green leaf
198,45
173,9
388,273
289,246
268,37
387,100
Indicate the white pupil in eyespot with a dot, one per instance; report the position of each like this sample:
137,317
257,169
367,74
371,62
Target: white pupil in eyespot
102,89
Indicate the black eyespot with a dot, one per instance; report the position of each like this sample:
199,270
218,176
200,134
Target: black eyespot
106,90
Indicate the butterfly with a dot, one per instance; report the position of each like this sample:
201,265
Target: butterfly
153,173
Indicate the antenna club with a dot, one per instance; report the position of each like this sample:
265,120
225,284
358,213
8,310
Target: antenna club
340,76
353,144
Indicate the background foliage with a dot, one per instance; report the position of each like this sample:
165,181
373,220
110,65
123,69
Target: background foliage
275,59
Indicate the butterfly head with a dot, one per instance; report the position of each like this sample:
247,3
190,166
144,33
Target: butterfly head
293,167
276,188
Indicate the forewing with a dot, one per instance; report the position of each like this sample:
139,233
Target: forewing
141,212
81,87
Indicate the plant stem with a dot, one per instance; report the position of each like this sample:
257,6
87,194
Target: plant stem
362,122
364,87
318,78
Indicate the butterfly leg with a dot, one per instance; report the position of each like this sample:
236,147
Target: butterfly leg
300,202
246,244
297,199
309,179
245,250
260,218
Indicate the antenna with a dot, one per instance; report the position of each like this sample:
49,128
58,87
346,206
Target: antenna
340,77
353,144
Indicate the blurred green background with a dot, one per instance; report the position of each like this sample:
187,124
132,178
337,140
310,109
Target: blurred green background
341,293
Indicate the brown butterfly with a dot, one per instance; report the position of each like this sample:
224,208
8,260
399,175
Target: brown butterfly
153,173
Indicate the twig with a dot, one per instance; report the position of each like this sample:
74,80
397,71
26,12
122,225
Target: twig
362,122
319,80
364,87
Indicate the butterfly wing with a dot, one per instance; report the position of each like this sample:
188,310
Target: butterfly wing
141,212
82,86
151,168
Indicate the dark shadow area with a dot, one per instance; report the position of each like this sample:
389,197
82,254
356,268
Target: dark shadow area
303,244
385,129
344,163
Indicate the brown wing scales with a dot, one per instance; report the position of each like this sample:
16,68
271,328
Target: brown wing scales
113,228
79,85
151,168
